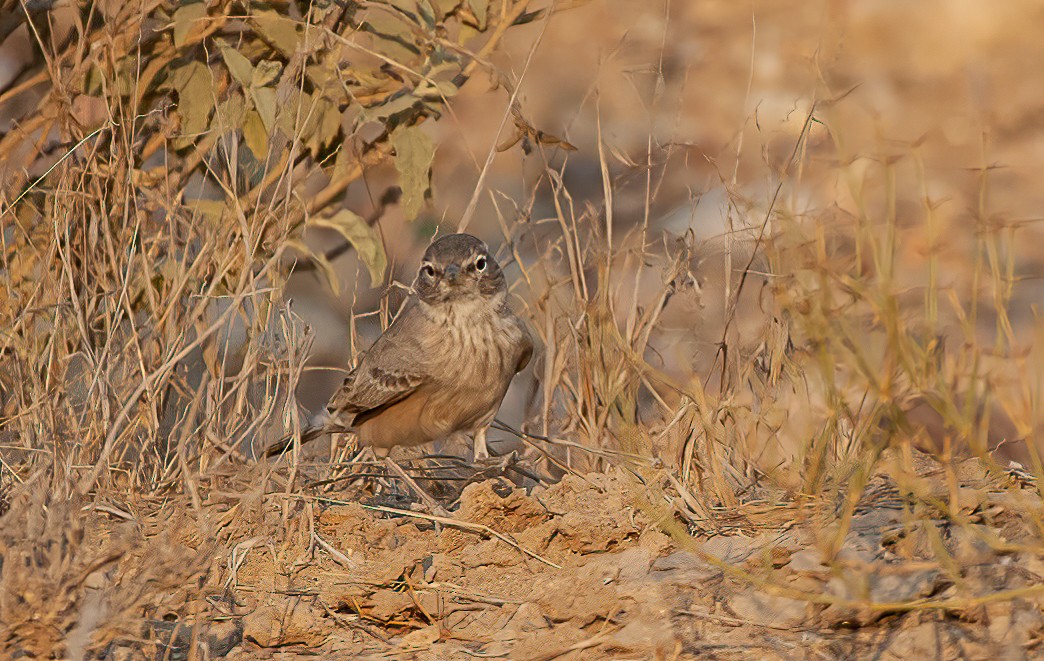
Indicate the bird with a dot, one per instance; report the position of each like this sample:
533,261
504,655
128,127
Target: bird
442,368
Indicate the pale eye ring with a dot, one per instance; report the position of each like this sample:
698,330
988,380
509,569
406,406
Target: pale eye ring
480,264
428,271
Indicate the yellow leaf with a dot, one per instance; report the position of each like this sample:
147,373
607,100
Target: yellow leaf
279,31
362,237
187,21
255,135
414,152
212,210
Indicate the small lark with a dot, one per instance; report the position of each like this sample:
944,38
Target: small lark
444,365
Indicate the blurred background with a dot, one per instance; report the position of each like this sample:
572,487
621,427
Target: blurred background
927,113
874,162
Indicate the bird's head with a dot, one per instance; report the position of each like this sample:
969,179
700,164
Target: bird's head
457,267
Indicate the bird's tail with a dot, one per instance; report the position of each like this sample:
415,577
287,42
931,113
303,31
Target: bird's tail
308,434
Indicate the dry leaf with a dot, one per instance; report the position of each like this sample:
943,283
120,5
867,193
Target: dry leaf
480,8
238,65
265,72
327,124
321,262
446,7
228,116
265,103
195,100
393,105
279,31
187,21
212,210
255,135
414,152
362,237
393,37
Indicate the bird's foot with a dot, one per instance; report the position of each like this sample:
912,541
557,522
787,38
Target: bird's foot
481,455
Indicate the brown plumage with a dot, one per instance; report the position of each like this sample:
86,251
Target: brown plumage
444,365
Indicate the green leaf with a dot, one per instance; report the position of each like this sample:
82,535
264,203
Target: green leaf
362,237
186,21
414,152
238,65
279,31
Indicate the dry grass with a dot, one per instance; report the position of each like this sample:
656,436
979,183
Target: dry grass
842,372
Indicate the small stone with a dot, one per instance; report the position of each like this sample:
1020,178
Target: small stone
767,609
95,580
273,625
528,617
904,586
222,636
386,604
422,638
806,560
917,642
683,568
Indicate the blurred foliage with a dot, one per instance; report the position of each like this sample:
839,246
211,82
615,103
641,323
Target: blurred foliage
161,164
245,97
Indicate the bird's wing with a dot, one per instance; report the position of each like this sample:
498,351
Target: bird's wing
526,352
393,368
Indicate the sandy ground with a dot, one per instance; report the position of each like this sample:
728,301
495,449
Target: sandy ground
580,569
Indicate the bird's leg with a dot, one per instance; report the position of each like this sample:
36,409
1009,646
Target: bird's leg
481,451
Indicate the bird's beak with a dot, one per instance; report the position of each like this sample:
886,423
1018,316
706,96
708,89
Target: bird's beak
451,272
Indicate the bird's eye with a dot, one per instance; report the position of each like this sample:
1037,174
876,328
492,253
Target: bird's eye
480,264
428,271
